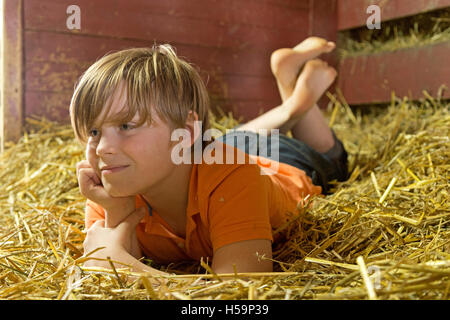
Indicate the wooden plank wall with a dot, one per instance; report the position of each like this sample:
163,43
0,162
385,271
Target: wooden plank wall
230,41
352,13
11,106
372,78
323,23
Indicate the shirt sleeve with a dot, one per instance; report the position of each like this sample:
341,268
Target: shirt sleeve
239,209
93,212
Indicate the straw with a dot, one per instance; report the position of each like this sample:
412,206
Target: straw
393,212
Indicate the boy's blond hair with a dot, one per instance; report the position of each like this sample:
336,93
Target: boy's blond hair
154,77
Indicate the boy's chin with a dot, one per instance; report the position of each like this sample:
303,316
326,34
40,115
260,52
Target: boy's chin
113,192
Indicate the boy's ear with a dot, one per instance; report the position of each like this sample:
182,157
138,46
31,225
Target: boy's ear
194,126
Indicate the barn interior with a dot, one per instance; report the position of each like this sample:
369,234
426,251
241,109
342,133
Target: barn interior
383,234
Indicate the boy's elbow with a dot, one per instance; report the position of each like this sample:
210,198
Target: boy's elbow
244,257
243,268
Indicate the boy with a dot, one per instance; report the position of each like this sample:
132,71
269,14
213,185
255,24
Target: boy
124,109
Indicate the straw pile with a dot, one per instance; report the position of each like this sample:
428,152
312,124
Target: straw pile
384,234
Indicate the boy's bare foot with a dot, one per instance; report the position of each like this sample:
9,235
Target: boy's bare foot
312,83
287,62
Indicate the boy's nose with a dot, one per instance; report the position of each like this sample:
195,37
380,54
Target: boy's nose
108,142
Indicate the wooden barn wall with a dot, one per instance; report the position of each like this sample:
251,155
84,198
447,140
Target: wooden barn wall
372,78
230,41
323,23
352,13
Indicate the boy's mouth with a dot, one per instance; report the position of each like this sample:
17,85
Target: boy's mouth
109,170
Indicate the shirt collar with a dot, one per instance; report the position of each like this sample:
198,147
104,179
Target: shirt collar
192,209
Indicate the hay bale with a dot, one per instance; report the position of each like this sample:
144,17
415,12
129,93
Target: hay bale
383,234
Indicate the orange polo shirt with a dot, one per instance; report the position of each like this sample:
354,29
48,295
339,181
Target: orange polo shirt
226,203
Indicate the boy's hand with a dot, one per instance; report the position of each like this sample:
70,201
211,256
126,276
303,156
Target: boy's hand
115,240
92,188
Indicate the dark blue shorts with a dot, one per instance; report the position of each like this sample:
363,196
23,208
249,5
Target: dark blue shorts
321,167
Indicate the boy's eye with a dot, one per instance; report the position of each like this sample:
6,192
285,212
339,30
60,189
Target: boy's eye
93,133
126,126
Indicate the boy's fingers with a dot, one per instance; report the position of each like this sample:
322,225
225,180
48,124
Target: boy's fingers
86,167
90,186
82,164
88,173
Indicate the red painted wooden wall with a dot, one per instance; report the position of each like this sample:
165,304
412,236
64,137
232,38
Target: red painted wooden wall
230,41
372,78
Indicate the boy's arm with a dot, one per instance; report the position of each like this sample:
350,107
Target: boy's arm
245,256
116,243
239,223
126,259
111,218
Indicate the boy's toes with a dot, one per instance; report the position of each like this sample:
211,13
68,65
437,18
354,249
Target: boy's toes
330,46
315,44
315,63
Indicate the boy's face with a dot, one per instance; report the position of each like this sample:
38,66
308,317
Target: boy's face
145,151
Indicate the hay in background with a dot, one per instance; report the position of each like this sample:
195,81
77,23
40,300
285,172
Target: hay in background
383,234
223,121
411,32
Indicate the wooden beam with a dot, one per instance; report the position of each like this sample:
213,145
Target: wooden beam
352,13
372,78
12,72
